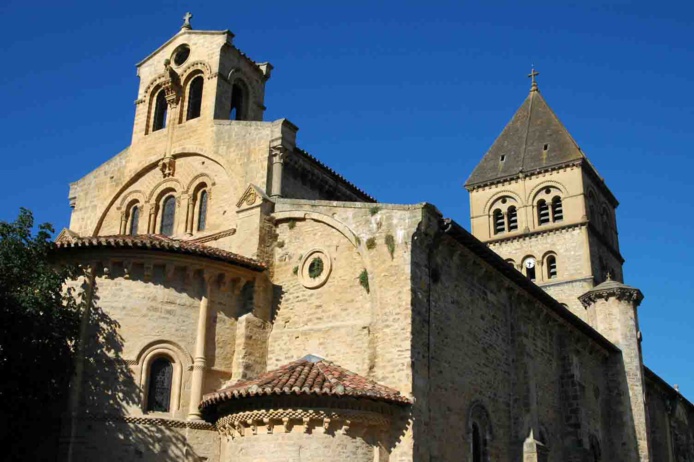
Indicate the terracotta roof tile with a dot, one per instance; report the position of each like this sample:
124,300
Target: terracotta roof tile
310,375
69,240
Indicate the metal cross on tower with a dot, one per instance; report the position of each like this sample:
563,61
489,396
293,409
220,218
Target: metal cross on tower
532,75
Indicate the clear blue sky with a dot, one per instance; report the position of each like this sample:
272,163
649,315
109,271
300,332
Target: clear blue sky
403,98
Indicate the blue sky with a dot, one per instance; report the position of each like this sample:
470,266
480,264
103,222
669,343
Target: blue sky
403,98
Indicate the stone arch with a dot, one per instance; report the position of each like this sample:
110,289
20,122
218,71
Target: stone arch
155,82
164,185
193,69
545,184
342,228
180,359
197,180
183,151
130,197
479,419
498,195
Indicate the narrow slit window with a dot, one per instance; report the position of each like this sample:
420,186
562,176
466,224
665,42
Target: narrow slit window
202,211
238,102
168,216
498,218
551,267
134,220
161,109
542,212
195,98
557,209
159,390
512,218
476,444
503,157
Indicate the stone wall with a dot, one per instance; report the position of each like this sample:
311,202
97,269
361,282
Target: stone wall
488,343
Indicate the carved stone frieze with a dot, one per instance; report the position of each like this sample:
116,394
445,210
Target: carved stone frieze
628,294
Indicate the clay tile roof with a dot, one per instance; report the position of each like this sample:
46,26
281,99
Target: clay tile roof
69,240
310,375
522,144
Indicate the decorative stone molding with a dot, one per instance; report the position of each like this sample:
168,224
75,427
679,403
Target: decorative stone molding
297,421
621,293
167,166
154,421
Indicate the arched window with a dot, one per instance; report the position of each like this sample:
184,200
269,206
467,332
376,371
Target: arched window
476,443
551,265
159,390
512,218
237,110
168,215
498,218
134,220
161,107
542,212
479,429
606,228
529,266
202,210
195,98
557,209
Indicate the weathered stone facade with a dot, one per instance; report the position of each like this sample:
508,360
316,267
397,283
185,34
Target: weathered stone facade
225,254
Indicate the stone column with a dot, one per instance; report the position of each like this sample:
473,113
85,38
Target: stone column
199,360
616,318
277,156
190,215
123,223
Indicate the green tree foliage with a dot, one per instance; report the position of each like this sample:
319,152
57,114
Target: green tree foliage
39,328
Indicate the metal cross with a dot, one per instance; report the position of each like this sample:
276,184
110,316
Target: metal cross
532,75
186,20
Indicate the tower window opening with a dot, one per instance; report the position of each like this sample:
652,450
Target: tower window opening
134,220
238,103
557,209
195,98
512,218
161,109
498,218
503,157
159,390
168,215
542,212
551,267
529,266
546,147
202,211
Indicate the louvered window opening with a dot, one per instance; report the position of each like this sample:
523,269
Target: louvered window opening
195,98
542,212
551,267
512,218
168,216
134,220
202,211
159,392
498,222
557,209
160,110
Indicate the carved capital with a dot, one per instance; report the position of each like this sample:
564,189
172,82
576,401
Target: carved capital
278,154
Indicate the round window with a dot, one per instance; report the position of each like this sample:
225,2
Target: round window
180,54
314,269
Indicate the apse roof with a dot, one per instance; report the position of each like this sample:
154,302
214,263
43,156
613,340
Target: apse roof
310,375
69,240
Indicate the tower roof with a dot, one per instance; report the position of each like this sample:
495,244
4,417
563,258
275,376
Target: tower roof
534,139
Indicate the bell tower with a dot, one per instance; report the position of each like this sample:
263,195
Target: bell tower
536,200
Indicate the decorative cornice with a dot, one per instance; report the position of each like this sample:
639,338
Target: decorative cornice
154,421
215,236
297,420
535,233
524,175
621,293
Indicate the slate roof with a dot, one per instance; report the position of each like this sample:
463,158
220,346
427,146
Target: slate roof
310,375
68,240
522,143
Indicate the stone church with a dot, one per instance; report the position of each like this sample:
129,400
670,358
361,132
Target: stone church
267,309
